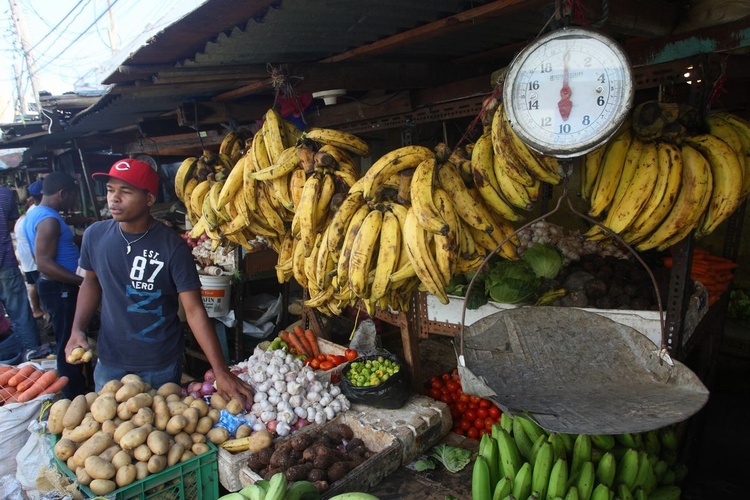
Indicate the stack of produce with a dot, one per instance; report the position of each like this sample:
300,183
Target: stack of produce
661,178
520,458
22,384
130,430
714,272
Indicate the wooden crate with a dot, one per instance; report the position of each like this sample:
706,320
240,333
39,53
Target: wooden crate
363,477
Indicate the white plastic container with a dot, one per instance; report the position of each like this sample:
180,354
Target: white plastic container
216,293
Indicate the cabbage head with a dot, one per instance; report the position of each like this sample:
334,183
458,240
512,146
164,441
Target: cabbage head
545,260
512,282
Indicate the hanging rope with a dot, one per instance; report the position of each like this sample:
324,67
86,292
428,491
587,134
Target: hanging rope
282,85
718,88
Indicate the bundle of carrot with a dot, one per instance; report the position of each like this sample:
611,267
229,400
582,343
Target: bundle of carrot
22,384
714,272
301,342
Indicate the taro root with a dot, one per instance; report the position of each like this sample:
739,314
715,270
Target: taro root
253,461
297,472
281,459
317,475
323,461
595,288
345,431
354,443
264,455
337,471
301,441
321,486
332,434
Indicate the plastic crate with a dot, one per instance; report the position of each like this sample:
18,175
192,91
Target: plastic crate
193,479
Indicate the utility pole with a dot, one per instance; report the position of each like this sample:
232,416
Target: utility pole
20,25
112,37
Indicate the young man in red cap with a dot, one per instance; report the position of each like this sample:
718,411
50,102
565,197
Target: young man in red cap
138,269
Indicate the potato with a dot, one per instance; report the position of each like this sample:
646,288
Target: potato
111,386
198,437
71,463
260,440
83,477
132,378
176,407
139,401
202,407
121,458
161,414
125,475
214,414
84,431
243,431
187,455
142,453
188,400
169,388
157,463
217,401
104,409
110,452
191,415
117,421
109,427
75,412
200,448
123,429
91,397
184,439
56,414
175,453
95,445
141,470
102,486
64,449
98,468
158,442
176,424
204,425
173,398
136,437
144,416
234,407
218,435
123,412
127,391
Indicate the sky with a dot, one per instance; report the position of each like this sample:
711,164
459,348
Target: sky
74,41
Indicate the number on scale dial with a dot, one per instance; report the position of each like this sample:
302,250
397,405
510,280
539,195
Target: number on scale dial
568,92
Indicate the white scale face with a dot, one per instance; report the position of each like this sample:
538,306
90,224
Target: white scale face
568,92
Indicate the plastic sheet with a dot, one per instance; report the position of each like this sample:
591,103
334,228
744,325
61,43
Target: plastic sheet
391,394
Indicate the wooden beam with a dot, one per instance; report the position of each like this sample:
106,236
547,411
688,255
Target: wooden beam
375,106
208,113
649,18
244,91
449,24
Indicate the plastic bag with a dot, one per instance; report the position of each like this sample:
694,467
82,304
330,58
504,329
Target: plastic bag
35,454
11,489
391,394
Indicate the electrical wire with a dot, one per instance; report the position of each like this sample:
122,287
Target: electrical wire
52,30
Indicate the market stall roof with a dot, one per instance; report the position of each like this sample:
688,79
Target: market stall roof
223,62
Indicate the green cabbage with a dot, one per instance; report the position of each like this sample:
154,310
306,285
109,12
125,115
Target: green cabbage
511,282
544,259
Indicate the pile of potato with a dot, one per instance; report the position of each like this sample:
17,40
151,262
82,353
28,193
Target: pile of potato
130,430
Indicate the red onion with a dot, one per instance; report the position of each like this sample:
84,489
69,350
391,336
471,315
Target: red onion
196,394
301,422
271,426
194,386
207,388
209,376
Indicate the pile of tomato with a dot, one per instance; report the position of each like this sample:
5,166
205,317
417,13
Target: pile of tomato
329,361
472,416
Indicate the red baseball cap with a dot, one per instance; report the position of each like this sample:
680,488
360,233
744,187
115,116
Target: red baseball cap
135,172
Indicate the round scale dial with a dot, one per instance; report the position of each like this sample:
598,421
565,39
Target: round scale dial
568,92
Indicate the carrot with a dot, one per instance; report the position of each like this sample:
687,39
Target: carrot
305,342
5,368
22,375
295,342
46,380
310,336
56,386
6,393
298,330
5,377
25,384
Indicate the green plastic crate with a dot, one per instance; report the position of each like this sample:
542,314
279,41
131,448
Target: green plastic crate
194,479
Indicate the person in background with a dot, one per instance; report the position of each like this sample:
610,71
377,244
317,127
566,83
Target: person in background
23,251
51,242
23,335
139,270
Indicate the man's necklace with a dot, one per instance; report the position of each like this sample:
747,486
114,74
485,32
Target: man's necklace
135,240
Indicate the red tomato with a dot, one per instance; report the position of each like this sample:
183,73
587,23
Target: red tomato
488,423
465,424
434,380
495,412
475,399
470,415
485,403
445,376
479,423
435,393
452,386
321,357
326,365
464,398
446,398
338,359
461,407
482,412
437,385
473,406
350,354
459,431
473,433
314,364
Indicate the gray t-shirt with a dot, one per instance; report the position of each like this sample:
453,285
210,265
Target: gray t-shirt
140,328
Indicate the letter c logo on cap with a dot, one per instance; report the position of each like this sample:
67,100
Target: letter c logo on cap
122,165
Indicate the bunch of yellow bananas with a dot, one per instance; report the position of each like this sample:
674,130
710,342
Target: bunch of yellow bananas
654,193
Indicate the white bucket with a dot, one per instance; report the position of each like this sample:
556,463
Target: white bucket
216,294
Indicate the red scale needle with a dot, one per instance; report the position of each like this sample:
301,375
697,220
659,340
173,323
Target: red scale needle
565,104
